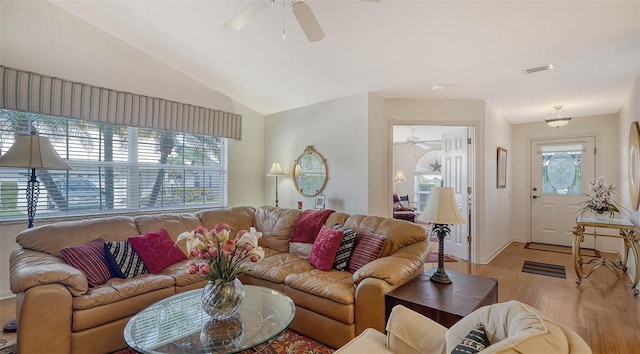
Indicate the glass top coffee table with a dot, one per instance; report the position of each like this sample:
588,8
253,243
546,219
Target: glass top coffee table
179,325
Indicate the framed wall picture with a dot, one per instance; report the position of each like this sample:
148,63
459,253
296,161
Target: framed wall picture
319,201
502,168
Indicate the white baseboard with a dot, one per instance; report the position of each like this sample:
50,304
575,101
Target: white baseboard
6,295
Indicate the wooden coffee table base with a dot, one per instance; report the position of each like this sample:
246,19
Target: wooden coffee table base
444,303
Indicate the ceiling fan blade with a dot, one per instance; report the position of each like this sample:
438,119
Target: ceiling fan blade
307,21
243,17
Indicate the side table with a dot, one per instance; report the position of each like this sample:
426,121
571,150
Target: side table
444,303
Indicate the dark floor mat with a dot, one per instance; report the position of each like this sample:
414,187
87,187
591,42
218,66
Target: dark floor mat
550,270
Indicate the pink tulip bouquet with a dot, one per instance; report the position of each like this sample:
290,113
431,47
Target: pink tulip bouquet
218,257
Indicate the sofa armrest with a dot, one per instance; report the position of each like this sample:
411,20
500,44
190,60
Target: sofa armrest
410,332
32,268
397,268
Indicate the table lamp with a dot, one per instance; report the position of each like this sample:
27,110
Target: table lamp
442,211
276,171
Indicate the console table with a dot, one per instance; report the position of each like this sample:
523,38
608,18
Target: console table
444,303
626,232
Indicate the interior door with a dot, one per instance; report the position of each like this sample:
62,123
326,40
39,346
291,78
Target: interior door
455,149
560,173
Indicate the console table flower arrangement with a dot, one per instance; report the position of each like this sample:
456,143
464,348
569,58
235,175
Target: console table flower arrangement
220,259
601,198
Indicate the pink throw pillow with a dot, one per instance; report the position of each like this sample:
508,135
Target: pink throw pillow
157,250
325,247
368,248
90,260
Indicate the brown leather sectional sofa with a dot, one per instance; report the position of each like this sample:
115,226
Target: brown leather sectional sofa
58,312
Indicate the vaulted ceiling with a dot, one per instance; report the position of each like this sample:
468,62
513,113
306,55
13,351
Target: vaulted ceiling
478,50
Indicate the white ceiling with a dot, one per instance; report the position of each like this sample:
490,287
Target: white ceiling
396,49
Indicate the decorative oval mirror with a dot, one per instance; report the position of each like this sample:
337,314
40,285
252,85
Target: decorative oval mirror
310,172
634,164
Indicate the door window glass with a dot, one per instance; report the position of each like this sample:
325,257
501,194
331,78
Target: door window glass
561,167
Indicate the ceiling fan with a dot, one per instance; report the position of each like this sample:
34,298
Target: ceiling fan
425,144
301,10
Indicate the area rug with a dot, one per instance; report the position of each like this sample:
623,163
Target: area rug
433,258
550,270
8,347
288,342
561,249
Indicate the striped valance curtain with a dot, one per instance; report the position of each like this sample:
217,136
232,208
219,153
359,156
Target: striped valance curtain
30,92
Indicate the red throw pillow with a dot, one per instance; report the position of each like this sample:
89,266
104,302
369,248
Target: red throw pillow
90,260
325,247
368,248
157,250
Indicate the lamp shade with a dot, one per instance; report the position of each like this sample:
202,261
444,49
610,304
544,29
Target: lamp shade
399,177
33,151
442,208
276,170
298,170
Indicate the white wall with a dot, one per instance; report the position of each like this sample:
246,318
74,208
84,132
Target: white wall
604,128
40,37
337,129
629,113
497,209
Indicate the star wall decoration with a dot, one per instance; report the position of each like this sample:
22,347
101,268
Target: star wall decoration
435,166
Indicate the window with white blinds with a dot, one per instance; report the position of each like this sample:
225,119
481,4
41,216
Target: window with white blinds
114,168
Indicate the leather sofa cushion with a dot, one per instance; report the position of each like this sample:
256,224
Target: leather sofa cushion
333,285
178,271
117,289
276,226
399,233
276,268
239,218
344,313
174,223
52,237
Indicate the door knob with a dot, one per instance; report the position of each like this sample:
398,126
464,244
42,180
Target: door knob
535,197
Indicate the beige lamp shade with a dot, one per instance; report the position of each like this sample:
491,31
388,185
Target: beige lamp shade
399,177
442,208
298,170
33,151
276,170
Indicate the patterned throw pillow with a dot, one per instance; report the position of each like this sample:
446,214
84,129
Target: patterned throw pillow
157,250
90,260
474,342
368,248
124,260
346,247
324,249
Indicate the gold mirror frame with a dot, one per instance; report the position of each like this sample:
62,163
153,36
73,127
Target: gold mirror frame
310,172
634,164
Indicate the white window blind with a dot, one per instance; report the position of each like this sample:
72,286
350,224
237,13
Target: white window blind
115,168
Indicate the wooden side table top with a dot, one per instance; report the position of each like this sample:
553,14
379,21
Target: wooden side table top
466,293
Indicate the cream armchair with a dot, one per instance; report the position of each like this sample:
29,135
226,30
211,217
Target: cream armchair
511,327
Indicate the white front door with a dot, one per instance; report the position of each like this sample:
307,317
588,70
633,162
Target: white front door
455,148
560,173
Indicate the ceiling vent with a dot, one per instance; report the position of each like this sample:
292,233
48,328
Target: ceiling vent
539,68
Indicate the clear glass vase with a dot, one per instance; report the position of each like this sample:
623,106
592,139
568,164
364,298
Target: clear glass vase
223,300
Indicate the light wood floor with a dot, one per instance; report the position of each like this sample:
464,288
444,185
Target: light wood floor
602,310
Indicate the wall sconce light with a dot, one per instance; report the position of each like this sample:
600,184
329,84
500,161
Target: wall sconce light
276,171
557,117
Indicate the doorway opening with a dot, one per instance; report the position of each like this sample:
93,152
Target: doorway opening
428,156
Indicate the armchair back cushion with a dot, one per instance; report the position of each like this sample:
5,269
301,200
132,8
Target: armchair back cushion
511,327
